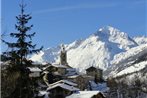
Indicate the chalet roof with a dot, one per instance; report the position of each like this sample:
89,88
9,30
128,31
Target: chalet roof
55,65
40,63
84,94
71,73
81,76
91,68
44,72
87,76
64,86
68,66
76,76
59,65
65,82
34,69
73,76
71,69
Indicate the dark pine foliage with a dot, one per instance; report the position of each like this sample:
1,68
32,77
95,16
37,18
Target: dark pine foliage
23,46
17,55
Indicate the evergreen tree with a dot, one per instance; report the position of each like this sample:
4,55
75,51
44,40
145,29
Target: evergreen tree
23,46
18,55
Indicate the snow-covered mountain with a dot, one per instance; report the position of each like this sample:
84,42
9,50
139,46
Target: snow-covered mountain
133,60
100,50
140,40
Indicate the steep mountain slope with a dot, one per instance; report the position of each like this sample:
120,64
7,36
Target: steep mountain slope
140,40
130,61
47,55
97,50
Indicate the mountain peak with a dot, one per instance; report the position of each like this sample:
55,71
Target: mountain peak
107,28
111,31
111,35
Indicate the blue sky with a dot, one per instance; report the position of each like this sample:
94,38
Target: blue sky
63,21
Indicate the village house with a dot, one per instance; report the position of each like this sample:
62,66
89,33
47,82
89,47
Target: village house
61,69
51,77
34,71
97,73
61,89
87,94
79,79
64,82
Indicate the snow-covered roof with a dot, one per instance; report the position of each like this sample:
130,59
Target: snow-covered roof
42,93
73,76
41,63
55,65
34,69
65,82
71,73
71,69
87,76
59,65
100,86
64,86
45,72
83,94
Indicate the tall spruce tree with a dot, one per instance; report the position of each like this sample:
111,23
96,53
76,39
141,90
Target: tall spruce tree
18,53
23,46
